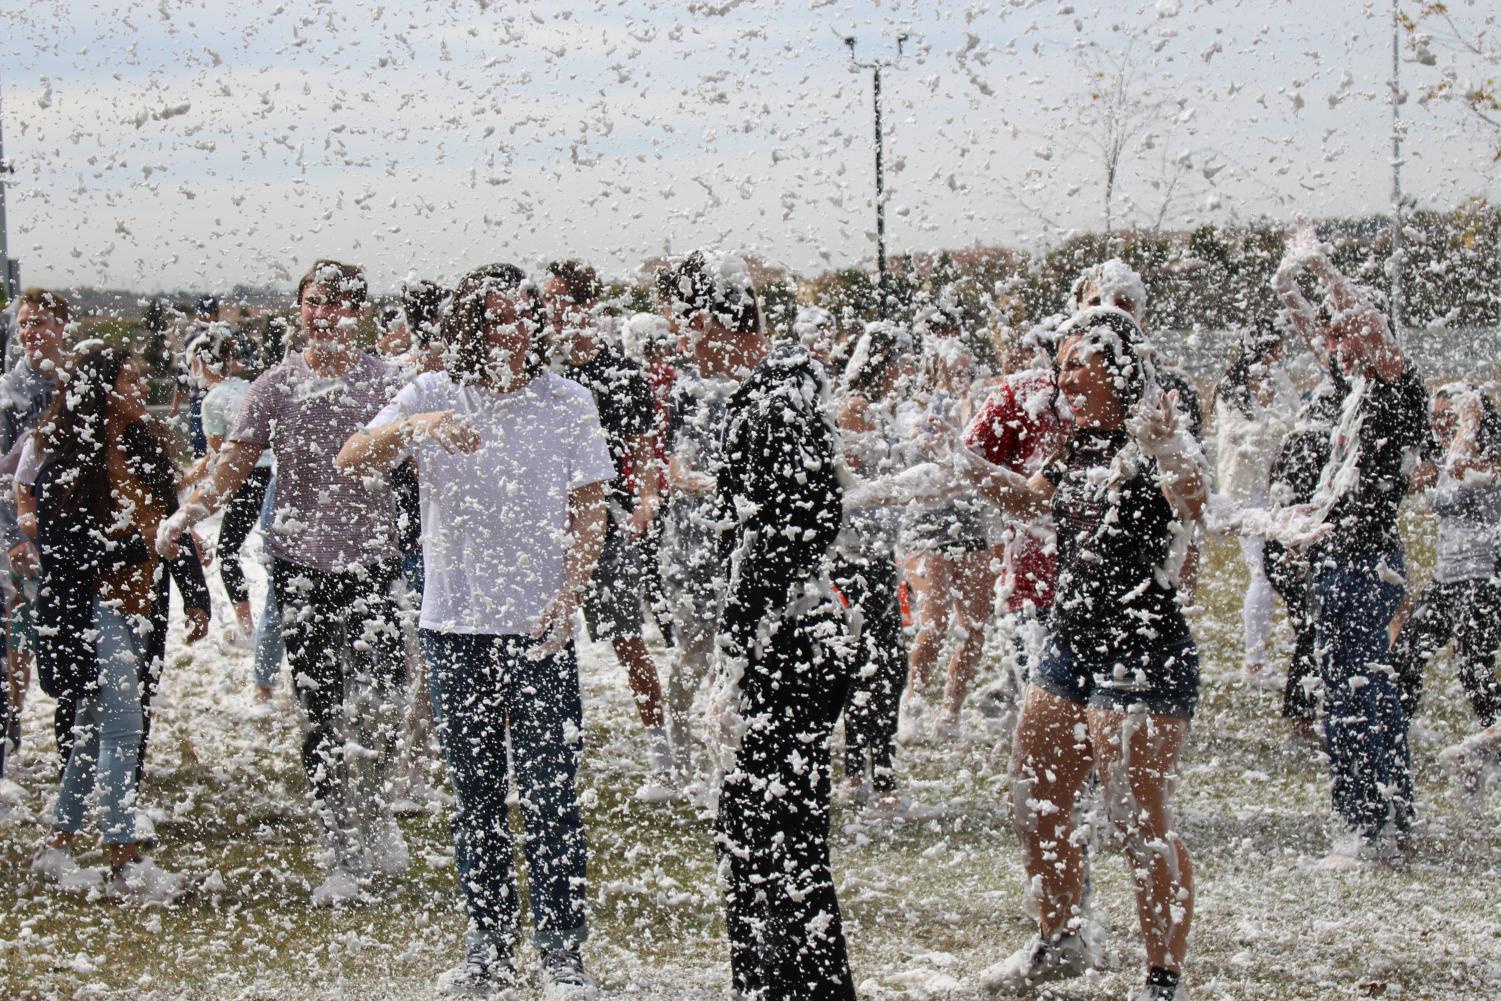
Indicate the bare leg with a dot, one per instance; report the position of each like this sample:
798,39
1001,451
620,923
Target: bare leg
1050,759
642,675
1138,755
974,599
929,584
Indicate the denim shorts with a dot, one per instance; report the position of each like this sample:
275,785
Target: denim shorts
1164,681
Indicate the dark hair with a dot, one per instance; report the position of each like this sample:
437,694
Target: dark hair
45,299
695,288
464,321
215,345
1256,345
1488,437
1126,346
347,278
423,303
580,281
883,352
71,434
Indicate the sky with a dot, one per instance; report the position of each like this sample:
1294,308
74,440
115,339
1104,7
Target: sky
196,145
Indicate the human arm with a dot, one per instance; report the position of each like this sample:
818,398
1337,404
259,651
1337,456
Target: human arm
643,451
235,462
372,451
186,570
1159,429
587,515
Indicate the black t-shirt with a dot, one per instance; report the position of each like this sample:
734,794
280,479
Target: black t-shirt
1393,429
1115,532
624,399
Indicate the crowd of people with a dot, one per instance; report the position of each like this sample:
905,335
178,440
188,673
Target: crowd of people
815,525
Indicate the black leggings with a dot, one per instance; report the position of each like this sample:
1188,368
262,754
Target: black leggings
1288,575
240,516
1469,613
879,671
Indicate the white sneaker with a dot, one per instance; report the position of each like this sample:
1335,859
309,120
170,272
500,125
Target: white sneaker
1040,961
145,882
658,752
564,978
388,854
235,639
912,724
339,887
59,867
145,827
483,972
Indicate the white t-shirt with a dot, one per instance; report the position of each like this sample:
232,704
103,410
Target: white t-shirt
221,407
495,522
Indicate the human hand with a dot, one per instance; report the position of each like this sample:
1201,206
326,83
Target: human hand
170,528
24,559
555,625
452,431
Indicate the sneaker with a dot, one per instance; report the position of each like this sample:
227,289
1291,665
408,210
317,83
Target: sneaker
653,791
388,854
59,867
563,977
145,882
912,724
1158,992
1040,961
659,753
145,828
340,887
485,970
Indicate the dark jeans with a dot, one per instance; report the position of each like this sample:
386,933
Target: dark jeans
484,687
1469,613
240,516
1365,727
330,620
1289,577
879,671
786,937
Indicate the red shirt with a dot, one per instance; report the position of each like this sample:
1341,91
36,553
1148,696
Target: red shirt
1019,428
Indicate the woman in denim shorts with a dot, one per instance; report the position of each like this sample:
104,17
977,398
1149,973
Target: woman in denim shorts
1115,689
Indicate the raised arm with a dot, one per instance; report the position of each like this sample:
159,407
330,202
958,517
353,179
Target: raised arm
374,451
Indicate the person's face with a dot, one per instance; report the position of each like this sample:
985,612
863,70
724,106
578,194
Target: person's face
572,320
129,401
507,335
41,333
1086,382
1444,420
328,315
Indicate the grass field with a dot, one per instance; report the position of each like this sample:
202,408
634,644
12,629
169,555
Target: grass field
928,904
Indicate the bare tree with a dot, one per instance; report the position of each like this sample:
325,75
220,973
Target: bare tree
1475,39
1118,111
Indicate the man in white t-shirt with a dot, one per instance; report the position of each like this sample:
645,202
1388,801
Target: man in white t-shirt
512,469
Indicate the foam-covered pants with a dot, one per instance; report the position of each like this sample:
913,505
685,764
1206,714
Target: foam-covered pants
786,936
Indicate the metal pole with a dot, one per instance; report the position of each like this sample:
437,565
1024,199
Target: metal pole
880,205
1397,255
875,67
6,285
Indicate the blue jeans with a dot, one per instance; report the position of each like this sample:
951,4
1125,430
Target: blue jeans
482,688
107,735
1365,727
269,646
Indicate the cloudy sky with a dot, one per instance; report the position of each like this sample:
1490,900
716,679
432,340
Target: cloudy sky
198,144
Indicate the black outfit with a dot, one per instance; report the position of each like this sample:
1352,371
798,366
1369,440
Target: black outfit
240,516
780,491
1112,601
879,671
1292,480
326,617
1469,613
612,604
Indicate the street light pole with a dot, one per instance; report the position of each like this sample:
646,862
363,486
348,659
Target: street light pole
7,282
875,67
1397,255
